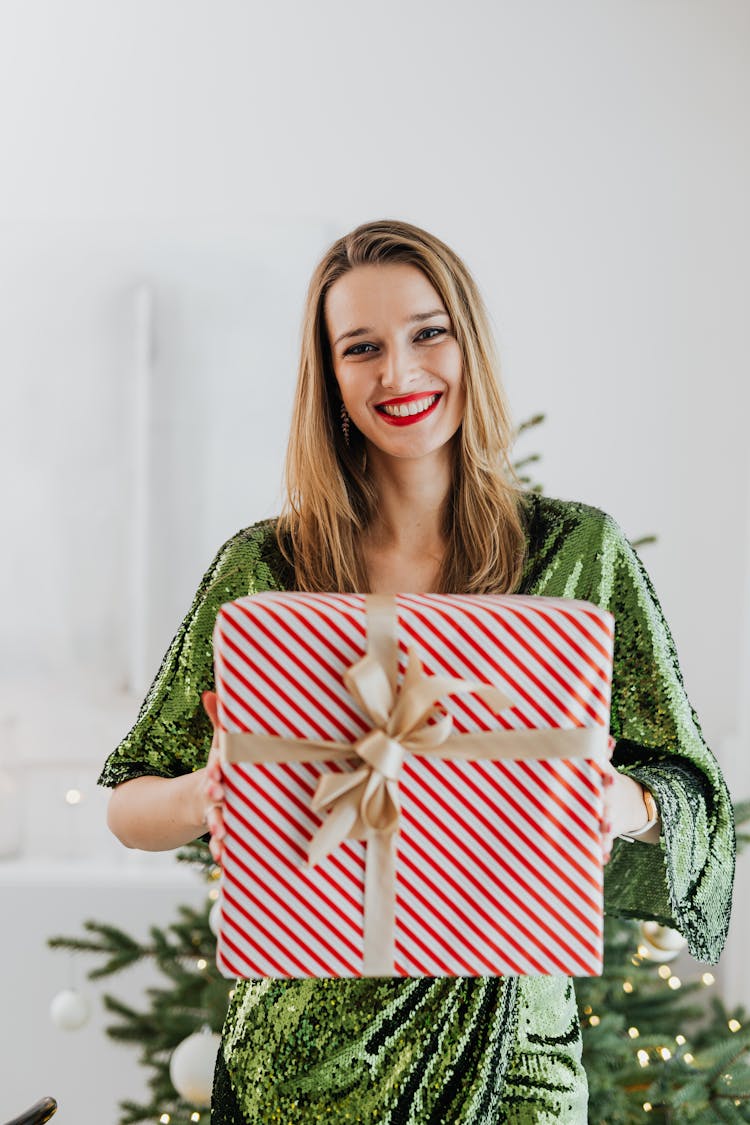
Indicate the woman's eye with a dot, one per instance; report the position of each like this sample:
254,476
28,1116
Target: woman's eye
359,349
354,349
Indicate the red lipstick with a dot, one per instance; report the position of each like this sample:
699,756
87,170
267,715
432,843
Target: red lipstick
408,419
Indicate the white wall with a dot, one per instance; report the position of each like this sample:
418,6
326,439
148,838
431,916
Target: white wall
589,160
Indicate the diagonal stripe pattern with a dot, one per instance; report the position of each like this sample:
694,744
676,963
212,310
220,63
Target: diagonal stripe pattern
499,865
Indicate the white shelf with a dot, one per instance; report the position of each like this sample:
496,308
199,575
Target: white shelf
144,869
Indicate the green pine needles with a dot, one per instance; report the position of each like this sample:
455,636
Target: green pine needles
192,995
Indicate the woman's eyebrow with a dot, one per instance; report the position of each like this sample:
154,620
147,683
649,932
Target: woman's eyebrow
412,320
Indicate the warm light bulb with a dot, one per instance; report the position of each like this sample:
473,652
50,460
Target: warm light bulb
643,1058
195,1116
708,978
674,982
734,1025
165,1119
587,1010
633,1032
688,1058
201,963
594,1021
647,1107
74,796
642,951
665,1053
680,1040
627,986
664,972
213,894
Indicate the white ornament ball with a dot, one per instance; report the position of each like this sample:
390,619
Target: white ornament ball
69,1010
191,1067
662,943
214,918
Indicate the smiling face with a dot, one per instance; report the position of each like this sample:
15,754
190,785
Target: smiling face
396,359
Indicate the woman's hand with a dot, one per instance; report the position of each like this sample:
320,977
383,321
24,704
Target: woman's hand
210,788
624,807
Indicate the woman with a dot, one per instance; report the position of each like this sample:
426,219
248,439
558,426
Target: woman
398,480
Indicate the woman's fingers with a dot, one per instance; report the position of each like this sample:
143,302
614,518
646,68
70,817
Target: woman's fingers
215,822
605,825
213,765
210,706
212,788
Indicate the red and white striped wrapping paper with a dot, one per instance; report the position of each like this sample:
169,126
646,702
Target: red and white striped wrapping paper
499,863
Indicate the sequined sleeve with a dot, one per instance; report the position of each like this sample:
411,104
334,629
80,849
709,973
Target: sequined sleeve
686,880
172,734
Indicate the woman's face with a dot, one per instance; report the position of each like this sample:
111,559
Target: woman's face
396,359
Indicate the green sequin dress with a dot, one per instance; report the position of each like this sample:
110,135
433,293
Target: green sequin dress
465,1051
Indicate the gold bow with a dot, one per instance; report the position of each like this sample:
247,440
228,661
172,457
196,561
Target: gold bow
366,800
364,803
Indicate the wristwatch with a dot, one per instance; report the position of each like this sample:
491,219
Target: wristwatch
654,818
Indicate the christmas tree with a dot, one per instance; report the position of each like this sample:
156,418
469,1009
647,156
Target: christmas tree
654,1048
178,1033
651,1042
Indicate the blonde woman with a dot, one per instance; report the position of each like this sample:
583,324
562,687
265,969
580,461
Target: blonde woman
399,480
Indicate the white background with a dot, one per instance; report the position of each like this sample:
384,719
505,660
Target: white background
591,163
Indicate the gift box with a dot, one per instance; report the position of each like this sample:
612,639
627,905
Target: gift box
413,784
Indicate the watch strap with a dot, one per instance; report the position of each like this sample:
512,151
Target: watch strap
654,818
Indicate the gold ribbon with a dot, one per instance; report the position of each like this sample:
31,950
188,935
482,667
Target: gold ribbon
364,803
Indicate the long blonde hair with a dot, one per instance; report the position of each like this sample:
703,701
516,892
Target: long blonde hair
330,499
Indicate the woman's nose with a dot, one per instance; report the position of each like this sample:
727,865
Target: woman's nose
398,370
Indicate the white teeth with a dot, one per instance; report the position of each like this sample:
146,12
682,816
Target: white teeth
406,409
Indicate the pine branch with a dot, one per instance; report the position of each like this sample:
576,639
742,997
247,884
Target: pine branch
741,812
535,420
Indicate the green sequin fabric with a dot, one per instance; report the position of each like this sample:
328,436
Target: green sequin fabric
464,1051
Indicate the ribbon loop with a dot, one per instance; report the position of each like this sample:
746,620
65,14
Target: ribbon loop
385,755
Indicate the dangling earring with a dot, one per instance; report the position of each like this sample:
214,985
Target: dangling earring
345,420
